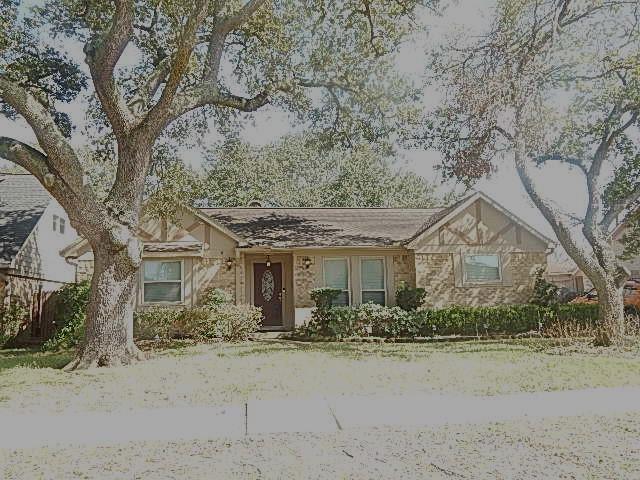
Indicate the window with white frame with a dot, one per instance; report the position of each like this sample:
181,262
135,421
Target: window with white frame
372,280
482,268
336,275
162,281
59,224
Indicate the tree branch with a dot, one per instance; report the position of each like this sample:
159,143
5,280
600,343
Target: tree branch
576,162
619,207
103,54
158,116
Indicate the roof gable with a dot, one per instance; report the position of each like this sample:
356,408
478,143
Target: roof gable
23,200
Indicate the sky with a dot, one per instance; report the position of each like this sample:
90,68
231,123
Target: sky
464,17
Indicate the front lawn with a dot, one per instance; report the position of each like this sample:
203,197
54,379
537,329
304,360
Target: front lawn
232,373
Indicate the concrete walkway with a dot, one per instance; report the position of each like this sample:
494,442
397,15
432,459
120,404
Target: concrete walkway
305,415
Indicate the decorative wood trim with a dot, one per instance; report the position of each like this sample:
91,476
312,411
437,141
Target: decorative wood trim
504,230
518,234
164,226
441,236
207,235
478,221
461,235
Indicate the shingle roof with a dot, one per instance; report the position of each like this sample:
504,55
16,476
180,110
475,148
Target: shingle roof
338,227
22,202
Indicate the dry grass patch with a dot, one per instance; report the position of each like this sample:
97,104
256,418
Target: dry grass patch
220,373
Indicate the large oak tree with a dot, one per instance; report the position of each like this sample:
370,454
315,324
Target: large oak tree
155,70
553,81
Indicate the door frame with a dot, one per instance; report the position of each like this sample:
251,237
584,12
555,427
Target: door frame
287,283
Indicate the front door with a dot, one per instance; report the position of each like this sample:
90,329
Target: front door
267,292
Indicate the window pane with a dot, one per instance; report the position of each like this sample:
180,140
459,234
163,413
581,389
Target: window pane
62,224
336,274
156,271
162,292
372,274
341,300
373,297
482,268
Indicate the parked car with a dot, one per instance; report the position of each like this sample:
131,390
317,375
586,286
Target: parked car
631,296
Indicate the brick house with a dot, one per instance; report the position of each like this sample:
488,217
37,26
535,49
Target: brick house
474,252
33,230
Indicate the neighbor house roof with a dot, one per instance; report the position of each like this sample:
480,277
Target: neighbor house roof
337,227
23,200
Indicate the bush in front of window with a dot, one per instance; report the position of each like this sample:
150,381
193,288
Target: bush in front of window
324,297
409,298
157,323
394,322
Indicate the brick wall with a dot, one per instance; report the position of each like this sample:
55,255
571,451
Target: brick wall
84,270
216,274
435,272
404,270
304,280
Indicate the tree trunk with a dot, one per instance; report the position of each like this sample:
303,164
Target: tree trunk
611,315
108,339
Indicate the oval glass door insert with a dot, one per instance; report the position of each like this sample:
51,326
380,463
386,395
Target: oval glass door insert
268,285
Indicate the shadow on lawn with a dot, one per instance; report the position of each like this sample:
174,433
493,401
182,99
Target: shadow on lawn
399,351
33,358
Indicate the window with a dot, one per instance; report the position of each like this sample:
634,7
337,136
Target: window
336,275
58,224
61,224
55,223
162,281
482,268
372,280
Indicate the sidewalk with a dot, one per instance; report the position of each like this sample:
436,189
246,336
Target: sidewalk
318,415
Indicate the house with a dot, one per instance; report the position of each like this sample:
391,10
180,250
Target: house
632,264
33,230
563,272
474,252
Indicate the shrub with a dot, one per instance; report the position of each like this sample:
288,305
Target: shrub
370,319
71,314
12,318
409,298
324,297
156,322
234,323
198,323
212,297
544,293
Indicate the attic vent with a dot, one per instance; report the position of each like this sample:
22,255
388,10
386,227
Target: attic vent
255,204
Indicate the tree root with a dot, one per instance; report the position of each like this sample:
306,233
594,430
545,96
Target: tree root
90,358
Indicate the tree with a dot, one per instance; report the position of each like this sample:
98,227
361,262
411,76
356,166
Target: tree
158,69
296,172
552,81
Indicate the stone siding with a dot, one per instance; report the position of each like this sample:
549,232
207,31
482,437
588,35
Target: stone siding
304,279
214,274
404,271
435,272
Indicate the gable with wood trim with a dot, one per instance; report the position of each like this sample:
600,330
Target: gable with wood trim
474,252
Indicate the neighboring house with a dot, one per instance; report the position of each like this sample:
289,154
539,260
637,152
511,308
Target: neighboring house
632,264
472,253
33,230
564,273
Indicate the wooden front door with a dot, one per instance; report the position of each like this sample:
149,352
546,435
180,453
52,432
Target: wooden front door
267,292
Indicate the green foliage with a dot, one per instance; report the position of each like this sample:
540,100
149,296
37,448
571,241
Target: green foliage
297,171
234,323
394,322
71,314
213,297
544,293
324,297
12,318
410,298
156,322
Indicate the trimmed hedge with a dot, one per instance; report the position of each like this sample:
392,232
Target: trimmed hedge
375,320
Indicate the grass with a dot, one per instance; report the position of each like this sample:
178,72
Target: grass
571,448
213,374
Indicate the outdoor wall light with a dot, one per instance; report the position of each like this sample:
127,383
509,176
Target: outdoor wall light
229,263
306,261
268,261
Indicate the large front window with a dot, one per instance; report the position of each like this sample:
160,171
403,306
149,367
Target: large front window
372,279
482,268
336,275
162,281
